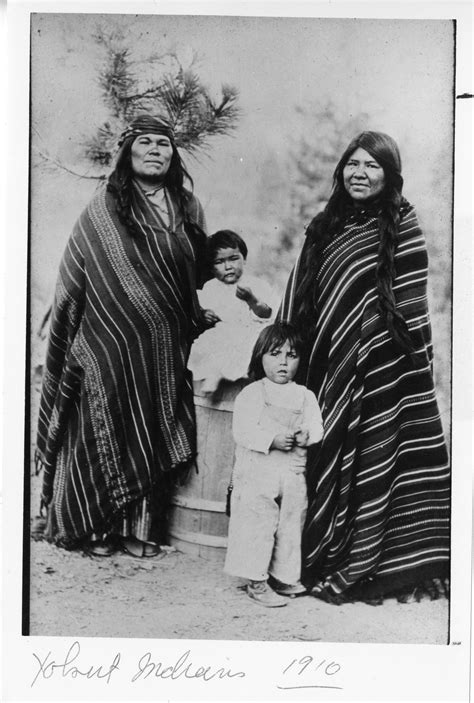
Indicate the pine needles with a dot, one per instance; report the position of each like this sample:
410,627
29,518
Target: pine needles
158,84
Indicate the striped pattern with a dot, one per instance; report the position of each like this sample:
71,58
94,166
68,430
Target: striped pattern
379,486
117,417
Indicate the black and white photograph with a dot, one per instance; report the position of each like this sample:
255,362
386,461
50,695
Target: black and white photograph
246,342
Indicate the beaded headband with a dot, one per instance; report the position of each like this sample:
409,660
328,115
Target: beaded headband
146,124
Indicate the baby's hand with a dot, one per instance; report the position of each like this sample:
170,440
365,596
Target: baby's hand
210,317
258,308
245,293
302,437
284,441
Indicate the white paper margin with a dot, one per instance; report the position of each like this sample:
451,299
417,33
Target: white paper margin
370,672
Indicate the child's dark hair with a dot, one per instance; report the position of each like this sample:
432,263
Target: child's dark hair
225,239
270,338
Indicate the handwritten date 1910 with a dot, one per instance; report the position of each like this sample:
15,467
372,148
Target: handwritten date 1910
308,672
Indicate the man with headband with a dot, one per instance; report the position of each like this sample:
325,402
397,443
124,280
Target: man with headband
116,427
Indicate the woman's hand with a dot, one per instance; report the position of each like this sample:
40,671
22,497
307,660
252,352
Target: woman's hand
301,437
284,441
210,317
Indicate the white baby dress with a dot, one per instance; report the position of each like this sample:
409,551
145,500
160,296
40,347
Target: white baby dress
226,348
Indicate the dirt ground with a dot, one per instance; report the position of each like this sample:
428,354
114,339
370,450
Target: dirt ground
190,597
187,597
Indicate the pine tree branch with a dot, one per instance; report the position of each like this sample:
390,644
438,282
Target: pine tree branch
56,163
152,92
158,85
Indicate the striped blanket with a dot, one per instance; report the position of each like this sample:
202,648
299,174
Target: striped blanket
116,417
379,485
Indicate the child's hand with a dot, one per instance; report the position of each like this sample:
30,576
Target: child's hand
259,308
210,317
284,441
301,438
245,293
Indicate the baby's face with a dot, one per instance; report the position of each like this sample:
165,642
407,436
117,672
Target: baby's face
228,265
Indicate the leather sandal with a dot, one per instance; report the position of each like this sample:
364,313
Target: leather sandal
139,549
100,548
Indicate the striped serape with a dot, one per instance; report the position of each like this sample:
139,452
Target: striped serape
116,420
379,485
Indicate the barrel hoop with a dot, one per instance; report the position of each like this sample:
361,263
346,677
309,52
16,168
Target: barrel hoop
199,538
212,506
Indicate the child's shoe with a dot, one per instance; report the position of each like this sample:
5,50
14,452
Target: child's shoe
261,593
289,590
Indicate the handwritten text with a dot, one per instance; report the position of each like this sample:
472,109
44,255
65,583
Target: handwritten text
308,672
182,668
48,667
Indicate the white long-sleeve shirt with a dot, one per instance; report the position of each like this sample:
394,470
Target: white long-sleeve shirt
249,406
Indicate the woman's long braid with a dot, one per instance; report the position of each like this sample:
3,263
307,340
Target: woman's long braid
124,205
306,312
389,219
120,185
329,223
319,233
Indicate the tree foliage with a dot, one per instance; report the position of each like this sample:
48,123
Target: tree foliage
158,84
324,135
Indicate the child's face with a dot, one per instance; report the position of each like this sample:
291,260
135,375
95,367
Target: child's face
228,265
281,364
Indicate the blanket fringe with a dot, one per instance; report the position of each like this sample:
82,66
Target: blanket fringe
432,589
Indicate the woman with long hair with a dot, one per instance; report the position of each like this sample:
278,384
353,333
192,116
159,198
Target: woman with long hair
379,484
116,425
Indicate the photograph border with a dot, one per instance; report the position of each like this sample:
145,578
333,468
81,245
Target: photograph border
367,668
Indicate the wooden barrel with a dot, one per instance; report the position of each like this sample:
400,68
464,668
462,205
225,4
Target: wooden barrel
197,521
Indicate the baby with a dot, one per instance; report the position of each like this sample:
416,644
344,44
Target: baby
238,305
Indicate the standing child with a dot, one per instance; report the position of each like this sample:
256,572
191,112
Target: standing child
238,305
275,420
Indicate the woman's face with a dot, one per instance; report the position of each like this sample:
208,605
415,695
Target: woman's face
151,157
363,176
